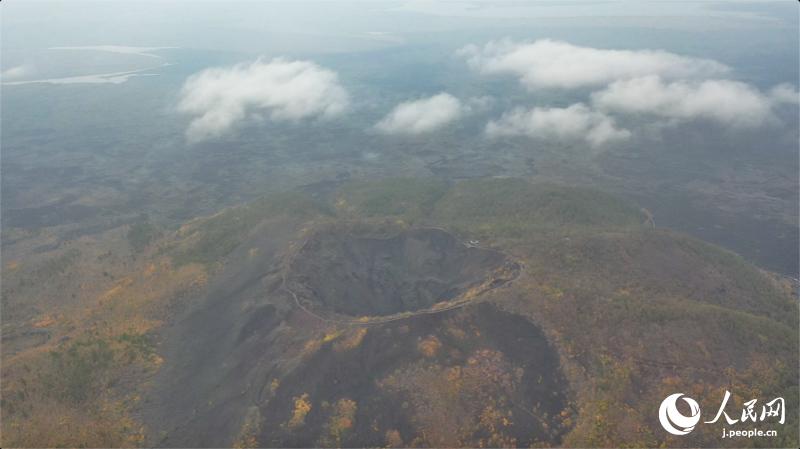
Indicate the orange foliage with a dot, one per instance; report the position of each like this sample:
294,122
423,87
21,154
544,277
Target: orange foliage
393,438
429,346
350,340
45,321
301,408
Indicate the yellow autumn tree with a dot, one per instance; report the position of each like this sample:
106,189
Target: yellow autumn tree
301,408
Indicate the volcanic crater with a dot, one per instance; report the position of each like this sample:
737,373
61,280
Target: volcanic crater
364,274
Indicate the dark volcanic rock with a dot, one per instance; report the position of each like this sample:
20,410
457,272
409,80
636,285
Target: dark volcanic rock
364,275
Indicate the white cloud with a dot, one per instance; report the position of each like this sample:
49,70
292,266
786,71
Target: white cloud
219,98
645,82
575,122
724,101
424,115
784,93
14,73
480,103
549,63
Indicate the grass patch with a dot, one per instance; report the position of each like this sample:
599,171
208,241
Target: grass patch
514,207
220,234
409,198
58,265
141,234
81,371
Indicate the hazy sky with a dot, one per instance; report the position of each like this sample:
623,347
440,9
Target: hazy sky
298,26
279,76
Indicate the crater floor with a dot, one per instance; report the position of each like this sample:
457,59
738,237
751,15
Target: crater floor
361,275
